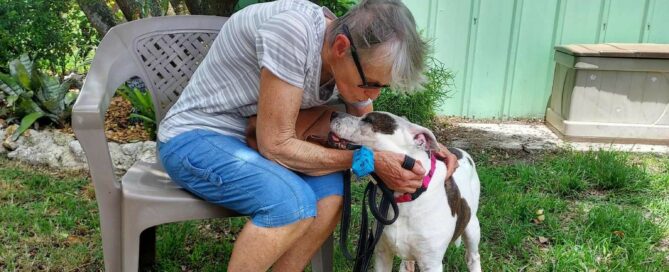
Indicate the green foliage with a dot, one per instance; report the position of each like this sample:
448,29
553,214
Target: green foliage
55,32
338,7
142,103
419,107
31,95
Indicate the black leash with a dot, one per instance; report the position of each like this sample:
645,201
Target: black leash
368,236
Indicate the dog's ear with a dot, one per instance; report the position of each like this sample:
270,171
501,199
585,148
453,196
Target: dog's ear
424,138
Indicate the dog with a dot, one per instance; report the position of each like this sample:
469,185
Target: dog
441,215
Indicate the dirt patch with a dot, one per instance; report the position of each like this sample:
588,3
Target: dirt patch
118,127
457,119
527,135
498,146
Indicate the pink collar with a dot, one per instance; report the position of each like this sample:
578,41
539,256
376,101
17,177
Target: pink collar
406,197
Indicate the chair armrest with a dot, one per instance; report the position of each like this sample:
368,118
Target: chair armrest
112,65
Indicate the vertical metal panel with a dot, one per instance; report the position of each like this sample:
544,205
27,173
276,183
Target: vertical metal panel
450,35
657,26
625,21
491,55
501,51
455,17
581,22
532,70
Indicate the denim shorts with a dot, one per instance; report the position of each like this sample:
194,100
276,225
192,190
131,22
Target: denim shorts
223,170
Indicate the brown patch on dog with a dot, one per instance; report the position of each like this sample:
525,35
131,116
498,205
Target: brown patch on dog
381,122
459,208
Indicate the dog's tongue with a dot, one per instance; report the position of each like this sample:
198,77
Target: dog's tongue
336,142
334,137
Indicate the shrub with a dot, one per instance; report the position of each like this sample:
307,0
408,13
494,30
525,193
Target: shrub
419,107
143,105
56,33
31,95
338,7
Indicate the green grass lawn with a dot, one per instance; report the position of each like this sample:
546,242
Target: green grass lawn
605,211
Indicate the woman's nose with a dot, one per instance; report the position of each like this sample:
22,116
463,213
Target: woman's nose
373,94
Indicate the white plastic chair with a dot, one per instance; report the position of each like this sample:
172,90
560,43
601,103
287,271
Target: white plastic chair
164,52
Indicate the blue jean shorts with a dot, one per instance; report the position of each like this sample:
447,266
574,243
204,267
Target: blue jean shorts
223,170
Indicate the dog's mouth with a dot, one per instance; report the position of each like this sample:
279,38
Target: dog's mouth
340,143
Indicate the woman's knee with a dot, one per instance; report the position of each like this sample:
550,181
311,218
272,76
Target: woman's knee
329,214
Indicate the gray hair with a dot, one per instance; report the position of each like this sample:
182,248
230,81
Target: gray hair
385,31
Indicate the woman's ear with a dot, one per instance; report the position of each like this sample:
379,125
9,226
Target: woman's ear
340,46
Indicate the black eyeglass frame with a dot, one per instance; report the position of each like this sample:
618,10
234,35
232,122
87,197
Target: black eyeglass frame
356,60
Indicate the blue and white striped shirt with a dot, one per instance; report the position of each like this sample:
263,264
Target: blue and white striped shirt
285,37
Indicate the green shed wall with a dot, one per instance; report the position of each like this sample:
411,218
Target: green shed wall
501,51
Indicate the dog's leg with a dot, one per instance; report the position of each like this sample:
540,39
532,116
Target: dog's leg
430,264
472,237
383,258
408,266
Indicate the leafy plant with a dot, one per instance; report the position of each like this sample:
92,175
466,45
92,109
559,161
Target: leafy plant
338,7
31,95
419,107
142,103
57,33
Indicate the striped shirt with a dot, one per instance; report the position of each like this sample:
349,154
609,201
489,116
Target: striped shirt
285,37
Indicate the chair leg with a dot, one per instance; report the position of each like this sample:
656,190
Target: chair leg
147,249
322,260
130,243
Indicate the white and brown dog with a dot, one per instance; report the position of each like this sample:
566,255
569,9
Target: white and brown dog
441,215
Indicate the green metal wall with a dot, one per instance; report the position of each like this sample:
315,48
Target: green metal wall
501,51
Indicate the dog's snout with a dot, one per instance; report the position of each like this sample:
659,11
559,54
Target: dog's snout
333,115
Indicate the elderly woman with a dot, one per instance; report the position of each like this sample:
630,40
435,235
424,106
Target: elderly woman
274,59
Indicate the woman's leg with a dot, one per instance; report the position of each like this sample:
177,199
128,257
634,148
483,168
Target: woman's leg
223,170
257,248
329,190
299,254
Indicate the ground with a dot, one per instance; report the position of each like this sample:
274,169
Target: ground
118,128
541,210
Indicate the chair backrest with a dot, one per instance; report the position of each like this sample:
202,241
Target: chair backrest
168,51
169,60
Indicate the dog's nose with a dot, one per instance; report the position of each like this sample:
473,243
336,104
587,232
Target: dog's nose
333,115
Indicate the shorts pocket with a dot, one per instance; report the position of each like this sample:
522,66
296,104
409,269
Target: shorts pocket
202,174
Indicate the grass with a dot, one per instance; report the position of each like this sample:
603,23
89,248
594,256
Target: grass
606,211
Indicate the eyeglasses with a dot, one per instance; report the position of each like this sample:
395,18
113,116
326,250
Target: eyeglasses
354,54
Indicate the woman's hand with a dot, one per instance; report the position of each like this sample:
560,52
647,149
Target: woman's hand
388,165
451,160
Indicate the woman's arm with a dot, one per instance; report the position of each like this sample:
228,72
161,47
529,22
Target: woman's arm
278,107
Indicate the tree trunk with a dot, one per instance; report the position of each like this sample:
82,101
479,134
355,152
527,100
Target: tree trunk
98,14
155,8
211,7
129,8
179,7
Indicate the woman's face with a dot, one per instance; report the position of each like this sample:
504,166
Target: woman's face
349,79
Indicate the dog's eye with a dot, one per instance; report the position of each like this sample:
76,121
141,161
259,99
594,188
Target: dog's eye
367,119
380,122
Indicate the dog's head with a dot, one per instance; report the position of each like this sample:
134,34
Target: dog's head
380,131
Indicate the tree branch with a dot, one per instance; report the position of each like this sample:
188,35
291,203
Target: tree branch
98,14
129,8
